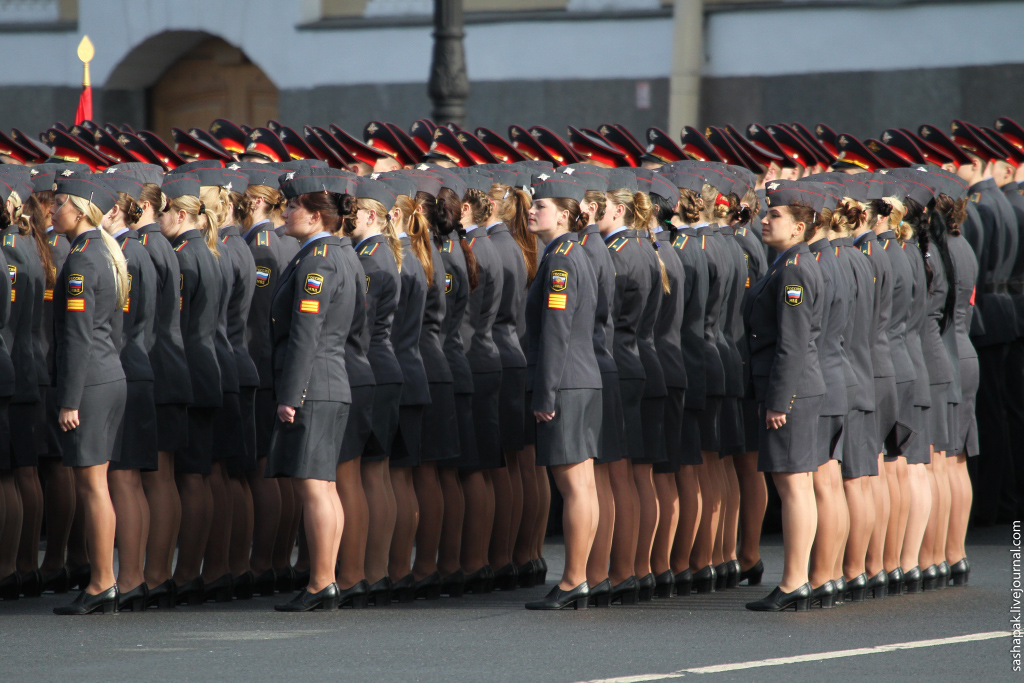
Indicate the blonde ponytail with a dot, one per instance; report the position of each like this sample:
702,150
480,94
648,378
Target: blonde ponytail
387,227
118,264
216,210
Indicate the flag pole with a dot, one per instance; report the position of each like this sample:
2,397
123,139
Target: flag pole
86,52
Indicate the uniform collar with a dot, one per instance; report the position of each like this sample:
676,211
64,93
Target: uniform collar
868,236
887,235
123,232
318,236
186,235
613,233
230,230
820,245
88,234
798,248
151,227
553,244
986,184
372,238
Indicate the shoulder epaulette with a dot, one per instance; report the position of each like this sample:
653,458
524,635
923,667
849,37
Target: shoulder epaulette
181,246
145,238
836,250
794,260
321,250
262,239
472,242
865,247
817,256
52,240
10,240
369,249
703,241
885,246
618,243
81,247
225,240
583,240
975,197
123,244
564,247
680,242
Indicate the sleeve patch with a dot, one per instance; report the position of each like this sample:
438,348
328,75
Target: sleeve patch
559,280
76,304
48,295
314,283
794,295
309,306
12,271
76,284
448,280
557,301
127,305
262,276
14,295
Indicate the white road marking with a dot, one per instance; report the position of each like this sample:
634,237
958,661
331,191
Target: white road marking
815,657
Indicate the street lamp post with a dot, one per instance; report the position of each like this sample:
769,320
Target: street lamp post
449,84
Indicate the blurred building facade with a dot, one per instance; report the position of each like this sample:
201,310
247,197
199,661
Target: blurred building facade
858,65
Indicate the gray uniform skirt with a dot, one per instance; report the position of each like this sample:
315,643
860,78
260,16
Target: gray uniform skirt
486,423
172,427
359,425
512,409
308,447
265,416
5,435
23,434
859,457
439,440
748,407
898,438
938,417
197,456
793,447
885,411
631,392
709,436
572,435
137,438
51,424
247,409
830,436
612,446
682,434
405,450
386,398
228,434
916,450
467,432
967,422
730,428
92,442
653,418
39,425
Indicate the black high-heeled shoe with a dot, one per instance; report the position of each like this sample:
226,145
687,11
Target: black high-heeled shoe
824,595
626,593
454,585
960,572
80,576
776,601
878,585
912,581
244,585
721,576
683,582
300,579
704,580
601,594
163,596
284,579
190,593
105,602
379,594
221,589
560,599
506,578
428,588
355,596
305,601
664,584
542,571
734,574
58,582
930,578
265,583
134,600
32,584
647,585
944,573
753,575
480,581
10,587
856,588
404,590
527,573
895,578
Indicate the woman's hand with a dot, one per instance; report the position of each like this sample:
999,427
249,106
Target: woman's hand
68,419
543,417
285,413
775,419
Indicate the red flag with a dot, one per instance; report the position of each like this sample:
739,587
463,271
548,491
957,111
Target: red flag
84,110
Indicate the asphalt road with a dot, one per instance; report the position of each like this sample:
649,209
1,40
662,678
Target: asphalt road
492,638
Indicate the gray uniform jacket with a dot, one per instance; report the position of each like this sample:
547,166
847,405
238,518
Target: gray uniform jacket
917,321
513,292
882,272
940,369
382,290
406,328
669,328
243,267
902,283
200,283
270,260
1012,192
456,297
560,322
139,310
713,305
360,374
997,261
753,254
434,361
837,298
311,314
784,322
654,385
632,285
84,310
172,383
859,336
484,302
732,318
686,245
966,268
604,325
27,284
225,354
59,247
6,366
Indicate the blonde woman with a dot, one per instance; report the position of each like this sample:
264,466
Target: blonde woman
91,291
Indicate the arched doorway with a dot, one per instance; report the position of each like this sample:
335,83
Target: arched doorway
212,80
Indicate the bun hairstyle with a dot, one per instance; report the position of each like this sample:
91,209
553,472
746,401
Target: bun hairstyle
690,206
712,211
578,219
954,211
241,208
751,208
938,230
332,207
802,213
131,211
479,205
37,210
272,199
513,209
94,217
414,224
448,220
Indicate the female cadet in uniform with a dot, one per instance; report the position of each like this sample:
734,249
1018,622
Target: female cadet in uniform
380,252
564,377
461,277
485,362
311,314
784,323
632,285
182,223
138,442
10,581
92,289
273,499
405,338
